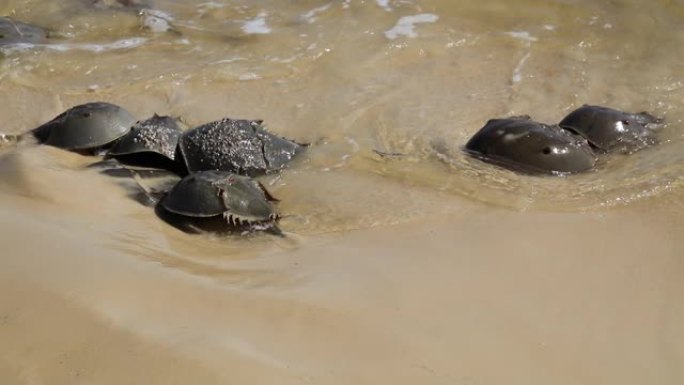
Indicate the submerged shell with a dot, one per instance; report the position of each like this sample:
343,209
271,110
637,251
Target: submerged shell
524,145
240,199
86,126
135,5
151,142
16,32
240,146
611,130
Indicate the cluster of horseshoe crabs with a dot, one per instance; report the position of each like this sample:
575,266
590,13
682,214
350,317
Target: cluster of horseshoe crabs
213,164
210,169
572,146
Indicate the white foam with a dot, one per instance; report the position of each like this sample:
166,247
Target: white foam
119,44
406,25
384,4
310,16
522,35
257,25
211,5
229,60
64,47
517,72
249,76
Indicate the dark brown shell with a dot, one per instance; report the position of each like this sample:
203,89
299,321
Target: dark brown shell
150,143
86,126
521,144
612,130
214,193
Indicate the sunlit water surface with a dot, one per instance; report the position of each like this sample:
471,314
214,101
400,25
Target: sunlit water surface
424,266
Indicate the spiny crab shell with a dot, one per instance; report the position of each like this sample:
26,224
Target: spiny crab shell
235,145
150,143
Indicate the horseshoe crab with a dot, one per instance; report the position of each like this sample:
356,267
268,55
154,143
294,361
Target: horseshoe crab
150,143
125,4
16,32
612,130
521,144
219,201
86,128
239,146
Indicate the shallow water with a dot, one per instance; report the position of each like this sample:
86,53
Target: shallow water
425,267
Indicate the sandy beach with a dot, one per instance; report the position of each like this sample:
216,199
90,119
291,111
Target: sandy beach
430,267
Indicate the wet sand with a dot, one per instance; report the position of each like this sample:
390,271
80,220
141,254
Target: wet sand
491,297
427,268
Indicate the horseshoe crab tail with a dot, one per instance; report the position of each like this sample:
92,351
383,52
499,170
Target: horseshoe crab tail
274,230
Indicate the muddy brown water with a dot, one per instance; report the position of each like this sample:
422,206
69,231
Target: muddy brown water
428,268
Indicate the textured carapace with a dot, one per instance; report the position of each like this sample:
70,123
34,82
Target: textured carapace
151,143
239,146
